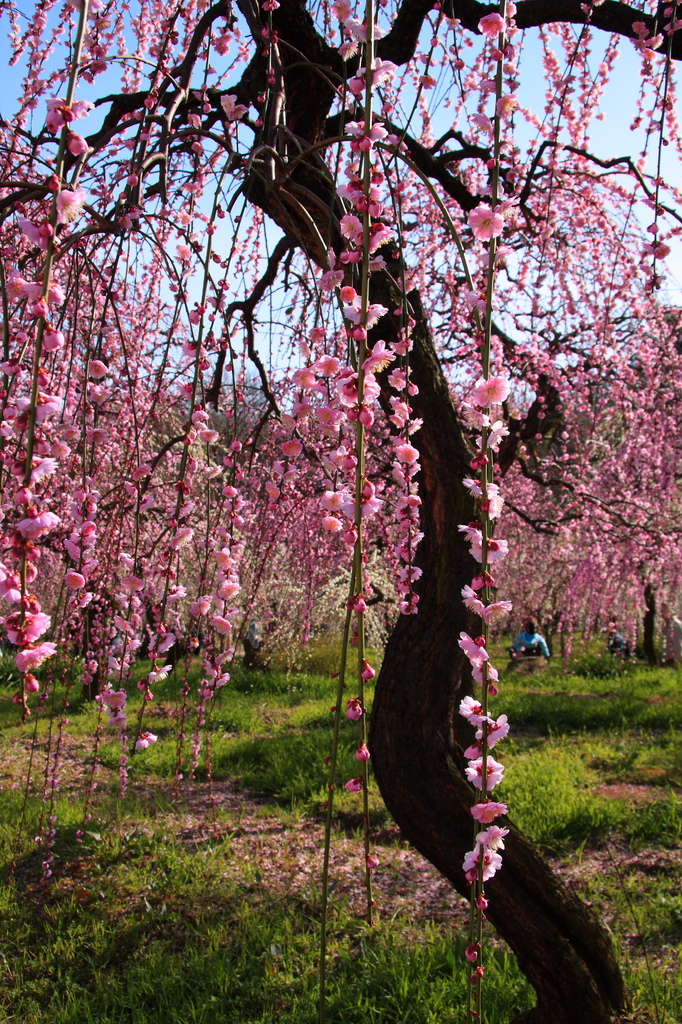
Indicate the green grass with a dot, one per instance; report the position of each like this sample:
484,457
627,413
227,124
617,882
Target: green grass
232,955
140,926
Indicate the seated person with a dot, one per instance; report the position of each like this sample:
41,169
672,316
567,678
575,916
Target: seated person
530,643
616,642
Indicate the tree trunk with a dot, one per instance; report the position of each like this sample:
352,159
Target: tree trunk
648,642
417,738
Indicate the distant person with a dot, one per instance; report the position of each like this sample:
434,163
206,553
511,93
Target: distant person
252,645
672,637
616,642
530,643
254,636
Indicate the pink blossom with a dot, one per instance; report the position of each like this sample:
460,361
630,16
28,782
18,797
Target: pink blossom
368,672
494,503
491,25
31,684
38,525
70,205
117,720
351,228
492,862
52,340
33,657
131,584
229,590
10,587
331,524
492,391
353,709
60,114
221,624
497,549
208,436
33,626
233,111
34,232
97,369
483,123
364,141
200,606
74,579
494,772
77,144
472,534
292,448
491,675
42,468
342,10
471,709
146,739
327,366
493,837
379,358
166,642
362,753
354,785
506,105
473,486
32,289
476,653
471,601
114,699
485,223
46,406
487,811
497,730
330,280
495,611
382,71
406,453
497,431
305,377
181,537
328,418
55,294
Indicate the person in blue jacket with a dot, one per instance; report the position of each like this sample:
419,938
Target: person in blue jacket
530,643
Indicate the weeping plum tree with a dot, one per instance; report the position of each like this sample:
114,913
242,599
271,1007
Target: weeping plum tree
247,290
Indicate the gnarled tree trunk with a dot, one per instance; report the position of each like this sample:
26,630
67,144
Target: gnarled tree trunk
415,733
417,739
648,641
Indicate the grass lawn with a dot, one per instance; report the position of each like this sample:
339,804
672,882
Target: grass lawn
197,899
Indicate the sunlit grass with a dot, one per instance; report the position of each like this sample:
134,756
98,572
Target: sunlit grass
137,926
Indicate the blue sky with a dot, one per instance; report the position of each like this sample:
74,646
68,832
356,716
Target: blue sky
611,137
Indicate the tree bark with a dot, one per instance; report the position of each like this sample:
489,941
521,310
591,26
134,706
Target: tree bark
417,738
648,641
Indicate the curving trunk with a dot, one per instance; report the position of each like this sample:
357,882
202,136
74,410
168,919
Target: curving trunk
417,739
649,638
415,731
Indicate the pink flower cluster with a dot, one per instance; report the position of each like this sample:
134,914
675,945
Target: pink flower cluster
483,771
28,408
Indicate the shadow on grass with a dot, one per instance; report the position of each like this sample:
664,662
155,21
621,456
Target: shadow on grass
137,930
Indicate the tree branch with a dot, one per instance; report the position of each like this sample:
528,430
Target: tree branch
247,307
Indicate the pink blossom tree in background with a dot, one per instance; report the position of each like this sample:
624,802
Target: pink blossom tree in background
251,347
